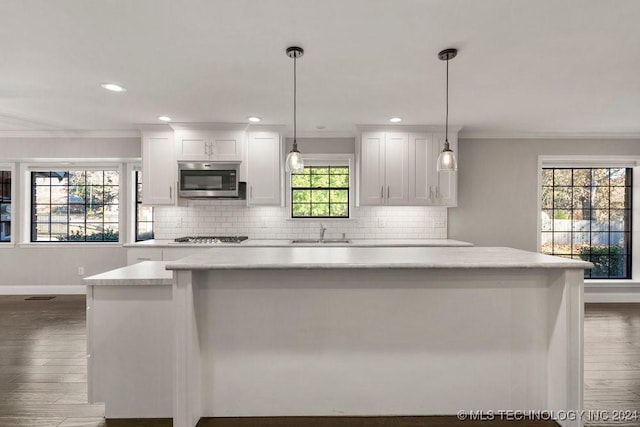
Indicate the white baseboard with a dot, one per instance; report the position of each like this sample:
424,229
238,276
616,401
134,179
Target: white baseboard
610,291
612,297
43,290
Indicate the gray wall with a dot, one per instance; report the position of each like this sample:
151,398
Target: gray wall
57,266
497,186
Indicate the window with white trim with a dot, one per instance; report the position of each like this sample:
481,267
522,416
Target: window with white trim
80,205
586,214
143,213
323,188
5,205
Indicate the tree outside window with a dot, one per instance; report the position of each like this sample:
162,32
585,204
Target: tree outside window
320,192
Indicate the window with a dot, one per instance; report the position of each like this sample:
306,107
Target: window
75,206
5,205
144,214
320,192
586,214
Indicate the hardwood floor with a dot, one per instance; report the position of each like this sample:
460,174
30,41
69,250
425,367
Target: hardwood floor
612,361
43,373
43,369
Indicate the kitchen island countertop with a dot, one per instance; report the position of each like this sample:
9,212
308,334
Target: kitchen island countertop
372,257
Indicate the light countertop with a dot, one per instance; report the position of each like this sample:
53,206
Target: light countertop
287,243
142,273
371,257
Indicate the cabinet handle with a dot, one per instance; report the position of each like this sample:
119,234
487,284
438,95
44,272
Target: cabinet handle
388,191
251,192
170,193
430,193
381,192
144,259
437,192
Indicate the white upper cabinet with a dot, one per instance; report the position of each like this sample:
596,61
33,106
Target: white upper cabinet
427,186
384,168
399,168
396,168
372,168
209,145
158,168
264,169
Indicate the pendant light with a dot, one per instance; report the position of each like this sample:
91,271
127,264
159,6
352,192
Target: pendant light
447,159
294,162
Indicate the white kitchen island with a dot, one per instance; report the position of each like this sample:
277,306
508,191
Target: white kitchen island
375,331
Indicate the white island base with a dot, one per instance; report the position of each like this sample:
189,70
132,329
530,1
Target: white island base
371,331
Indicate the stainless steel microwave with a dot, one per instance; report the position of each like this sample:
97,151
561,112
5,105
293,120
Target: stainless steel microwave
208,179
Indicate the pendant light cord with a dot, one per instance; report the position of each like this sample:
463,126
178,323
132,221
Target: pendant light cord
446,121
295,85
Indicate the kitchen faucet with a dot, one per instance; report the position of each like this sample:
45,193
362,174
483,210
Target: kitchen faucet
322,230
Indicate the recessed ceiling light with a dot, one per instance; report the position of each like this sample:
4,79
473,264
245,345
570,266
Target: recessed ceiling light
164,118
113,87
320,127
254,119
395,119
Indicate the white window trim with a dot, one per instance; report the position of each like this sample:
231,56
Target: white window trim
25,191
12,168
594,162
325,160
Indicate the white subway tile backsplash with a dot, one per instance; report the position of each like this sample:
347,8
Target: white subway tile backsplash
229,217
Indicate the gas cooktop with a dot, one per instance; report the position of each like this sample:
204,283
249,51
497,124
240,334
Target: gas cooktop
211,239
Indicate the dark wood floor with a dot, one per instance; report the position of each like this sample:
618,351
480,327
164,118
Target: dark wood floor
43,373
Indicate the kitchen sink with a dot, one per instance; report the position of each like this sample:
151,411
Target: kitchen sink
319,242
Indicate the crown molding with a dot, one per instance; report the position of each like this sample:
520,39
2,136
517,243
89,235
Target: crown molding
548,135
322,134
69,134
208,126
406,128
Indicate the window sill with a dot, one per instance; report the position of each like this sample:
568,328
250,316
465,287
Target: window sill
70,245
320,219
7,245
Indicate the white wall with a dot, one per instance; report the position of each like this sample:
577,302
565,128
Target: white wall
498,187
35,269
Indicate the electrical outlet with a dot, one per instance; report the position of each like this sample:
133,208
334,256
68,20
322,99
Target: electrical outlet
80,271
383,222
440,222
179,222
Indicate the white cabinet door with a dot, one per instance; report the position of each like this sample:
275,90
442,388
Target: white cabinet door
396,168
159,168
263,169
226,146
209,145
192,145
372,191
445,182
422,165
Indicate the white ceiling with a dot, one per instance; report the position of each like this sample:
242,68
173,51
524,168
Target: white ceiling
524,67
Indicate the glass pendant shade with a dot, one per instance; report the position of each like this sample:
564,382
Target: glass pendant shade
447,160
294,162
